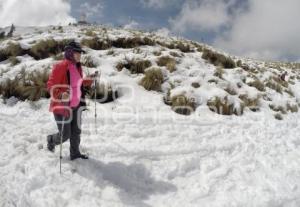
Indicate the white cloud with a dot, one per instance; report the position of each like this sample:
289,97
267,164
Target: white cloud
256,28
165,32
268,30
91,10
131,25
35,12
202,15
158,4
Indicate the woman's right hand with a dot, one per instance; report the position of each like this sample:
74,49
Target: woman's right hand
65,97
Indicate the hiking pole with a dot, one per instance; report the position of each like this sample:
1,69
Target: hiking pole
95,98
61,138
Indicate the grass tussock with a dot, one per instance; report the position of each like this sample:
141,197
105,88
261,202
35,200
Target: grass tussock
2,35
218,59
278,108
257,84
47,48
176,54
290,92
88,61
12,50
230,90
292,108
168,62
219,72
278,80
275,86
96,43
157,53
183,105
110,52
132,42
24,86
215,81
185,48
278,116
224,107
196,85
135,66
36,88
152,80
104,93
251,103
14,61
59,56
90,33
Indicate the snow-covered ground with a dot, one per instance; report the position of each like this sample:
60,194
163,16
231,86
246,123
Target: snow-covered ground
251,160
144,154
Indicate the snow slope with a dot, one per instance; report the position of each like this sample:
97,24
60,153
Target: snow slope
244,161
143,153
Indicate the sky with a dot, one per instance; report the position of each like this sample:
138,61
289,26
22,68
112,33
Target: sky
262,29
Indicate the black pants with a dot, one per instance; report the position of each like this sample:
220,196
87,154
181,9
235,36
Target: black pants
71,130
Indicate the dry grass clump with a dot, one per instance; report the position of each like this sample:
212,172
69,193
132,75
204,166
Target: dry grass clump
257,84
104,93
278,116
152,80
213,81
134,65
59,56
292,107
168,62
183,47
278,80
275,86
218,59
132,42
278,108
183,105
14,60
230,90
157,53
47,48
96,43
88,61
90,33
219,72
224,107
175,54
251,103
290,92
110,52
12,50
36,86
30,86
196,85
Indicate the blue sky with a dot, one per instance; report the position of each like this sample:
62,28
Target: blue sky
263,29
120,13
226,24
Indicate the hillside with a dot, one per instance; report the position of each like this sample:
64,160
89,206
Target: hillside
183,124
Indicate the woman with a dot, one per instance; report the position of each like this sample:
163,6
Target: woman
65,86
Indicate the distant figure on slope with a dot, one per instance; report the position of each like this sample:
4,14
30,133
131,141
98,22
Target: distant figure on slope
65,86
11,31
283,76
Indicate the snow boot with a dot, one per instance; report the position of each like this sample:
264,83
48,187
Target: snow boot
50,143
81,156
